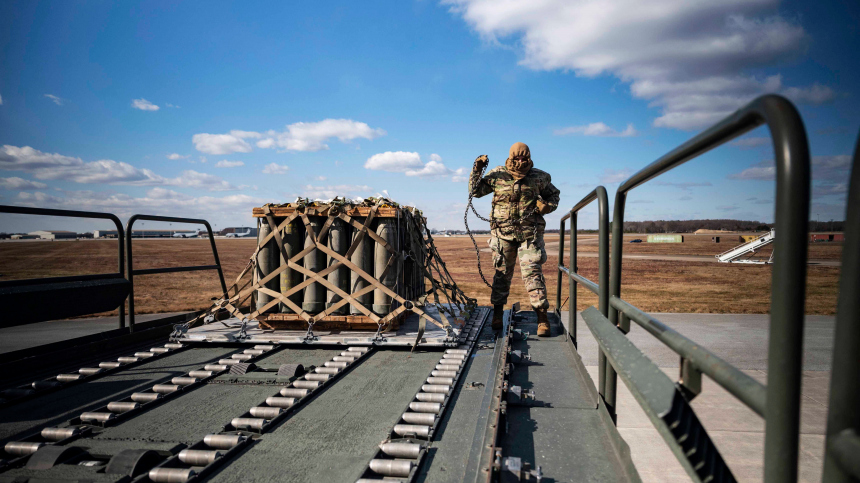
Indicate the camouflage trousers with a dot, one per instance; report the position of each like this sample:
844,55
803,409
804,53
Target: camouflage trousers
532,255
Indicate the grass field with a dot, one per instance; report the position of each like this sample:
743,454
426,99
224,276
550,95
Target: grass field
652,285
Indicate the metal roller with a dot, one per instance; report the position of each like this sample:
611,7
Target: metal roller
200,374
391,467
248,423
362,257
165,388
254,352
127,360
327,370
386,230
93,417
457,351
265,412
363,350
338,241
264,347
228,362
317,377
314,297
267,262
144,355
68,377
242,357
338,364
280,402
184,381
401,450
109,365
425,407
456,357
448,374
89,371
145,397
306,384
442,381
22,448
354,355
159,350
407,429
198,457
173,345
120,407
293,392
59,434
437,389
171,475
222,441
293,237
40,385
343,359
426,419
430,397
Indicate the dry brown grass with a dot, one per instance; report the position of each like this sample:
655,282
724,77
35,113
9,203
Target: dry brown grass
652,285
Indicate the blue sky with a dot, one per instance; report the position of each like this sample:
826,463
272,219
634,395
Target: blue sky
208,109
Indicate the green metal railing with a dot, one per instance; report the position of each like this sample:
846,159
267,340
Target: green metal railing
666,402
842,444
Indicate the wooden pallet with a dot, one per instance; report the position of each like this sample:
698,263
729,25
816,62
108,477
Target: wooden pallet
284,211
332,322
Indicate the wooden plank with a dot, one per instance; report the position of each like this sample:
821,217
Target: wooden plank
284,211
279,321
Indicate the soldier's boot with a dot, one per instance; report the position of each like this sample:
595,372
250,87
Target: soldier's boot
543,323
498,313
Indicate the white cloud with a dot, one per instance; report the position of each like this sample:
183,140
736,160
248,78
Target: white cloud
15,183
56,100
685,185
229,164
394,161
612,176
55,166
410,164
36,197
320,178
329,192
691,59
274,168
764,170
596,129
311,136
824,168
171,105
143,105
234,142
176,156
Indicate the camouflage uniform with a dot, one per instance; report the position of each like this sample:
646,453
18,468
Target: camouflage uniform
513,238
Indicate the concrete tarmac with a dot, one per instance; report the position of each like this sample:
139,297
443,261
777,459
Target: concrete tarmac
737,431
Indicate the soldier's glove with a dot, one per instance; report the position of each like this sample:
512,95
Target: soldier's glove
481,162
543,208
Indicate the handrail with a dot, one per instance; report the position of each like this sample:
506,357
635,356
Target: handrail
149,271
782,408
843,419
23,210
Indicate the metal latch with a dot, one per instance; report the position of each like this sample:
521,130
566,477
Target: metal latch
517,396
515,470
518,356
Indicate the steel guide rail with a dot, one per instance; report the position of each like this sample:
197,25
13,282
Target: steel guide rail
128,407
214,450
401,455
84,374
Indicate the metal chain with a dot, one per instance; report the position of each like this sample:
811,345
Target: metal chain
491,220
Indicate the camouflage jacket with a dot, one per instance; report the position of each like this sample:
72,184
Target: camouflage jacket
512,198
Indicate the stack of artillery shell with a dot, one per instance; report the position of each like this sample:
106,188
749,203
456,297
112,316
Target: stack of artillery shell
404,278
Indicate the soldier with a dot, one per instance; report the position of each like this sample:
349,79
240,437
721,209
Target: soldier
522,194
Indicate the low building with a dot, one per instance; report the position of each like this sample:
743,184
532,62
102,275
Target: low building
20,236
54,234
827,237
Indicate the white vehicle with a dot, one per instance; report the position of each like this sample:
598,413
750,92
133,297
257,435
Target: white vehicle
187,234
239,234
